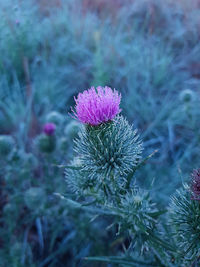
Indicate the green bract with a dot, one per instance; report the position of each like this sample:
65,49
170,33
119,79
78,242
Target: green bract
78,180
106,155
109,149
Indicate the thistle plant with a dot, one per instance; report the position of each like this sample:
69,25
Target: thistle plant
184,213
107,147
108,151
46,142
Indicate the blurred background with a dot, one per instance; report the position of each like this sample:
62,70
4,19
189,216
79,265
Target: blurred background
49,51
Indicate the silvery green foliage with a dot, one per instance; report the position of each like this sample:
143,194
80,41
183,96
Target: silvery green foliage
77,179
110,149
184,215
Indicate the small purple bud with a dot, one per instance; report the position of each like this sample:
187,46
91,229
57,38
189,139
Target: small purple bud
49,128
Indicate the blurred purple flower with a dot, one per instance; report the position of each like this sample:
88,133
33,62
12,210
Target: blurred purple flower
95,106
49,128
195,186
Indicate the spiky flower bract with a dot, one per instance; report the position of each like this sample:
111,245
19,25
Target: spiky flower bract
109,150
185,222
95,106
77,179
138,208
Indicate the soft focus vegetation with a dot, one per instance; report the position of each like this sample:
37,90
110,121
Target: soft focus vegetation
51,50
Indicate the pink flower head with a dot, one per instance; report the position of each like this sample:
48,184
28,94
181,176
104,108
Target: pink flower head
49,128
95,106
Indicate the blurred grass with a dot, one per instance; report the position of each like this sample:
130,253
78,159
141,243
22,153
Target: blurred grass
149,51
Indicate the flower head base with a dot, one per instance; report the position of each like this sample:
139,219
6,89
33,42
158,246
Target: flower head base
111,149
96,106
49,128
195,186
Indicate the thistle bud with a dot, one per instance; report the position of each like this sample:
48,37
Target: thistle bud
187,95
49,128
34,197
184,215
55,117
139,207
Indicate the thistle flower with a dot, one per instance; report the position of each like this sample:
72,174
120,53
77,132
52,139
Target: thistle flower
49,128
95,106
195,186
